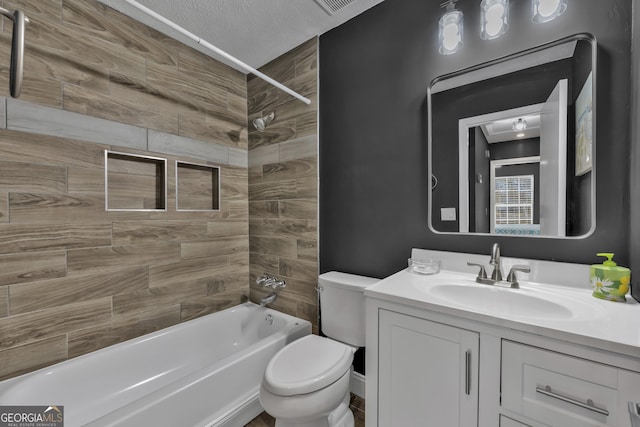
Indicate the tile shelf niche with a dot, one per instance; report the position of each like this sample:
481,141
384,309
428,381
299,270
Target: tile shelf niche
134,182
197,187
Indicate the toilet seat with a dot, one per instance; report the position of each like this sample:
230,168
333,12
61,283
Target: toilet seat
308,364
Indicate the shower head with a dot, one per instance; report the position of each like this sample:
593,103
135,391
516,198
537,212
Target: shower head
261,122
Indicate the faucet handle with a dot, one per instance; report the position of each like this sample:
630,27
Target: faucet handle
482,274
262,280
277,284
273,282
512,278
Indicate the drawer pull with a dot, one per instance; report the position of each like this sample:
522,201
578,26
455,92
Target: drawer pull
589,405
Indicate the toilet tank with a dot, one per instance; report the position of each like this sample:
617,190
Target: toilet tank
342,307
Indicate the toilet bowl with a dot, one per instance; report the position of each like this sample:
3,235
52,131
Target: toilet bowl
307,383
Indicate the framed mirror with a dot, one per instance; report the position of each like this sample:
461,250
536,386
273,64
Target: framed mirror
512,144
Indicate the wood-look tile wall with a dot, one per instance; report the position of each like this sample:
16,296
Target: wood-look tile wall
283,182
75,278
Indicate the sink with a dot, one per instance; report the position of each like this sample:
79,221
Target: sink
500,301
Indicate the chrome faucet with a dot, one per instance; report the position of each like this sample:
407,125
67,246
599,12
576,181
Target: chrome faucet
496,276
267,281
272,282
268,299
495,260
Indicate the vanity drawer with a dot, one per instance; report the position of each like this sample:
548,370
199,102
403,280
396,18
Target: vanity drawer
508,422
558,390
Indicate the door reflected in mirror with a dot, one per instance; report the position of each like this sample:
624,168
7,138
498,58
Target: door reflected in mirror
511,144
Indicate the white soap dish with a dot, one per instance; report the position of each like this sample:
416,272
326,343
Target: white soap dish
424,266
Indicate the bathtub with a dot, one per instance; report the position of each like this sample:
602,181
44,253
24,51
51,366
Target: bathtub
204,372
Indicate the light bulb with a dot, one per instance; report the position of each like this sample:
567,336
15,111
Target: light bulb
547,7
450,36
450,33
547,10
494,18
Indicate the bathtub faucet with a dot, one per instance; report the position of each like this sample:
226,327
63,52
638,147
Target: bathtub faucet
272,282
268,299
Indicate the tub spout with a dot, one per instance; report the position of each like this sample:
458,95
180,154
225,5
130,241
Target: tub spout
268,299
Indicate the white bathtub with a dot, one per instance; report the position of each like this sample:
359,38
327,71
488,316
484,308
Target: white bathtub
204,372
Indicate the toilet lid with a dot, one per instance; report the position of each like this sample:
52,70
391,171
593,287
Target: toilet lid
307,365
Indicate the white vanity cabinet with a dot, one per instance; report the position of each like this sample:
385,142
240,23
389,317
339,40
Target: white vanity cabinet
428,372
446,351
433,369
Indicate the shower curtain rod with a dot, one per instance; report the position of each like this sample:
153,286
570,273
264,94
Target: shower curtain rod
217,50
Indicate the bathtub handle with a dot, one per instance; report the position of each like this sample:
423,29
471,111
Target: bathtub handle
277,284
262,280
273,282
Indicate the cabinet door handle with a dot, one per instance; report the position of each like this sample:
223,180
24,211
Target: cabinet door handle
467,372
634,413
589,405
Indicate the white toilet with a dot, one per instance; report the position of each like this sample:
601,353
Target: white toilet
306,384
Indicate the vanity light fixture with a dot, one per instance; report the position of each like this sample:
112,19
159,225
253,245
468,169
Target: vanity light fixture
450,29
547,10
494,18
519,125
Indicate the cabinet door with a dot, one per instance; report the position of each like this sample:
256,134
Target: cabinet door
428,373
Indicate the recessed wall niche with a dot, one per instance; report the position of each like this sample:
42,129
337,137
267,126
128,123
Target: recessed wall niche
197,187
135,183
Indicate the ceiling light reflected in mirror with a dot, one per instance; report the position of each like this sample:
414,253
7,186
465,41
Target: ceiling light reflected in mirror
520,124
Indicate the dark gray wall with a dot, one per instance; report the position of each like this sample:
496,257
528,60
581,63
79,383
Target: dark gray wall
635,159
374,73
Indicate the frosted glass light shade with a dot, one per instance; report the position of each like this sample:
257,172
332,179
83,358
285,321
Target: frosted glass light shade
494,18
450,32
547,10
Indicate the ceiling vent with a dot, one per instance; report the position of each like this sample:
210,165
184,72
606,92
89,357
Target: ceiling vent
332,6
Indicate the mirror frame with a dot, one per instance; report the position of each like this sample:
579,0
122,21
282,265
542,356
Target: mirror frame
494,63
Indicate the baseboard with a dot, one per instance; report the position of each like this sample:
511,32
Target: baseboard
241,415
357,384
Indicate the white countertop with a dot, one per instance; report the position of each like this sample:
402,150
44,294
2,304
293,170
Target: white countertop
581,319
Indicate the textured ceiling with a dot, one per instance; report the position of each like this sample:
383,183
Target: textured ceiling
254,31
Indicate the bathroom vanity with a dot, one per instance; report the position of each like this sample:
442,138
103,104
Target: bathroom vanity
444,350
